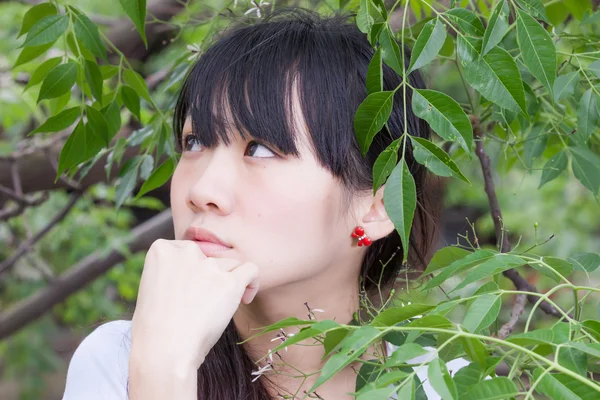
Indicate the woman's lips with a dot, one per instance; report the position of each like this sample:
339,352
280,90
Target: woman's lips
211,248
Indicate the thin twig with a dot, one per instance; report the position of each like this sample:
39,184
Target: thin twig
501,235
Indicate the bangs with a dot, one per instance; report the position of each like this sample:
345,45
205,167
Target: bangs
249,81
243,85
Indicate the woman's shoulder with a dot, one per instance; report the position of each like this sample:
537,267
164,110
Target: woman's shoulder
99,367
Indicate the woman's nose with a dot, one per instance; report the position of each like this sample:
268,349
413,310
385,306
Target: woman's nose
213,188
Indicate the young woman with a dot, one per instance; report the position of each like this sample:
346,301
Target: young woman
270,186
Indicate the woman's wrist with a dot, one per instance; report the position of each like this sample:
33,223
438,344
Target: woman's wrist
151,379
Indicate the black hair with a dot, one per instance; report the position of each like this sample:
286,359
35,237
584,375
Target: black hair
243,83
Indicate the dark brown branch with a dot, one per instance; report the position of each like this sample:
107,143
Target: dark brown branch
520,283
81,274
26,245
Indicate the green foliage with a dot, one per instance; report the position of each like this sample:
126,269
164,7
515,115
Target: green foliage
526,72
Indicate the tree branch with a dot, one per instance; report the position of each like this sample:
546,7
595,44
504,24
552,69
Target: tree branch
501,235
26,245
81,274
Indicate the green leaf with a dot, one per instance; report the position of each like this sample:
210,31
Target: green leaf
475,350
469,261
564,85
494,75
87,33
587,115
592,349
407,391
537,49
158,178
94,79
371,116
444,257
146,166
467,376
384,165
131,100
486,287
403,353
127,180
136,10
138,84
554,167
563,387
31,53
445,115
500,263
561,267
73,151
34,14
586,167
112,114
441,381
57,104
595,66
334,338
535,144
400,199
428,44
60,121
374,73
592,327
561,332
367,373
391,51
467,21
293,321
482,313
306,333
431,321
352,348
492,389
436,159
46,30
534,7
395,315
97,124
539,336
573,359
496,28
58,81
115,155
364,20
586,262
40,73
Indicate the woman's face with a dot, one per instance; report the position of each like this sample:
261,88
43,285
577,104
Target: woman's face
283,213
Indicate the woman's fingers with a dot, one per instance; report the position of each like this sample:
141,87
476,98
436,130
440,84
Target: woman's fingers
248,278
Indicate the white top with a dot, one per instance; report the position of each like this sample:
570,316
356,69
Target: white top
99,368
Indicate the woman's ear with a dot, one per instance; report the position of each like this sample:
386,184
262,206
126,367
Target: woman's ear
376,221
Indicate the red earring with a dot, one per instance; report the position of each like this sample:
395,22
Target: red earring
363,239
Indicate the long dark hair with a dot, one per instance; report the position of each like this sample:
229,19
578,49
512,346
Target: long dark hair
246,77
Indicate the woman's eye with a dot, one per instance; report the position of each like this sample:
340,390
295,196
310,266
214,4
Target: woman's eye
189,141
259,150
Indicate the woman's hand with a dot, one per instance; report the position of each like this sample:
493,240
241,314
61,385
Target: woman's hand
184,304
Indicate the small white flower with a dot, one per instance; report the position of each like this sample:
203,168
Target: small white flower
256,8
408,304
194,48
261,371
